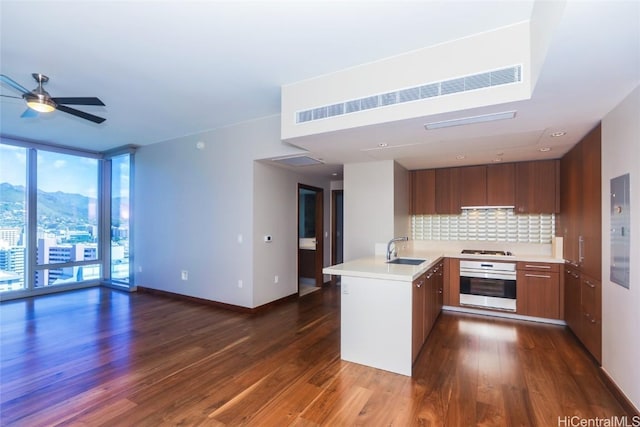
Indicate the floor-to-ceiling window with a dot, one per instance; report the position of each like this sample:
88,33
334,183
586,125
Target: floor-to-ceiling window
13,217
67,219
64,218
120,229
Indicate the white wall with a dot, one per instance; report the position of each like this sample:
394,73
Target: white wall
191,205
620,306
276,214
368,207
376,206
401,223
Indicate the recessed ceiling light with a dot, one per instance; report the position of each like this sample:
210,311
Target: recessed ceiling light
544,149
470,120
383,144
460,156
558,134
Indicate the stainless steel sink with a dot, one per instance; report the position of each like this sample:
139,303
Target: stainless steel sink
407,261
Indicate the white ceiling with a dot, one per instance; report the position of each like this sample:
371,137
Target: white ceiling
167,69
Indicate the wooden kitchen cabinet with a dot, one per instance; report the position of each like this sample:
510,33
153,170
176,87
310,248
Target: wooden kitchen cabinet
422,185
417,315
427,295
538,290
591,307
572,309
537,187
501,184
473,185
569,222
448,191
451,282
591,209
580,225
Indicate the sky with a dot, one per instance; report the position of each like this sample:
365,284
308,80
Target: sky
56,172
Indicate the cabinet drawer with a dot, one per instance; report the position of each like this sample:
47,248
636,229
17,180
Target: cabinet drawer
538,266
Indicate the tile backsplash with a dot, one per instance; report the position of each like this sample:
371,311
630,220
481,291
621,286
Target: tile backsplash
490,224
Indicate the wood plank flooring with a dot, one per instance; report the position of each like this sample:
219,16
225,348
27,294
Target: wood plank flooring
102,357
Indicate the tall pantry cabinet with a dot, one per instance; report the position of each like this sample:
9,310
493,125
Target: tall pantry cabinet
580,225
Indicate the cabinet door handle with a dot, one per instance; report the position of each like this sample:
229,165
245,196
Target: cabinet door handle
576,276
589,284
547,267
580,249
542,276
419,284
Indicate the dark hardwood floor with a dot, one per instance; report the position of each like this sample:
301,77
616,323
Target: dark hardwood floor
102,357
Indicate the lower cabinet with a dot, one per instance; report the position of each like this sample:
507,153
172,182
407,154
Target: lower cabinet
583,309
418,314
427,294
538,291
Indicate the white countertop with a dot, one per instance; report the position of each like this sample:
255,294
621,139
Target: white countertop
375,267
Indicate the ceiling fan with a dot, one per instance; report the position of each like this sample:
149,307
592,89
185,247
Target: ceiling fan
39,100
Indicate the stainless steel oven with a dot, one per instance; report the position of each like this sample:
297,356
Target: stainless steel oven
488,284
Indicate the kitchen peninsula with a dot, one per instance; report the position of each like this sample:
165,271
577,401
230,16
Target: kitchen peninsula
388,310
379,327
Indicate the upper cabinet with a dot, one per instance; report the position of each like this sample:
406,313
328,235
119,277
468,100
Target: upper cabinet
473,186
530,187
448,191
422,185
488,185
501,184
581,219
538,187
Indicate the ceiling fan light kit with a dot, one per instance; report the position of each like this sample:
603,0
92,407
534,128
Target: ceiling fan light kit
39,99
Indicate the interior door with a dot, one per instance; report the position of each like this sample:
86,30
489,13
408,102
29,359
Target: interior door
310,235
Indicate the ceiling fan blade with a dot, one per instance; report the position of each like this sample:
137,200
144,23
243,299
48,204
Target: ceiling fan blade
29,113
9,96
9,81
78,101
81,114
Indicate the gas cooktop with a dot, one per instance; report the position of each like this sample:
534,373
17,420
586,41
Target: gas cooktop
485,252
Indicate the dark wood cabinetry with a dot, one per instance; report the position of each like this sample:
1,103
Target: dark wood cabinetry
591,209
538,291
583,308
427,300
501,184
580,225
422,185
537,187
451,282
418,313
532,187
473,186
591,307
447,192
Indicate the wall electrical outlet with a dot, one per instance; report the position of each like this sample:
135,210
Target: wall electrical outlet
276,279
184,275
240,283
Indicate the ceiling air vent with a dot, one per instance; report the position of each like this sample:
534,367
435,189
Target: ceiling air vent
301,160
482,80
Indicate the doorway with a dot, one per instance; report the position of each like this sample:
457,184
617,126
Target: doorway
337,198
310,238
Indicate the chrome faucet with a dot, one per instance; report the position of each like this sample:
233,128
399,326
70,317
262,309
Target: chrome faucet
391,243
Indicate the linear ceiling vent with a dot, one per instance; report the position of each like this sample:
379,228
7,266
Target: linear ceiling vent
429,90
298,161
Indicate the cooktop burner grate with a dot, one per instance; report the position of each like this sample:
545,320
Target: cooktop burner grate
485,252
